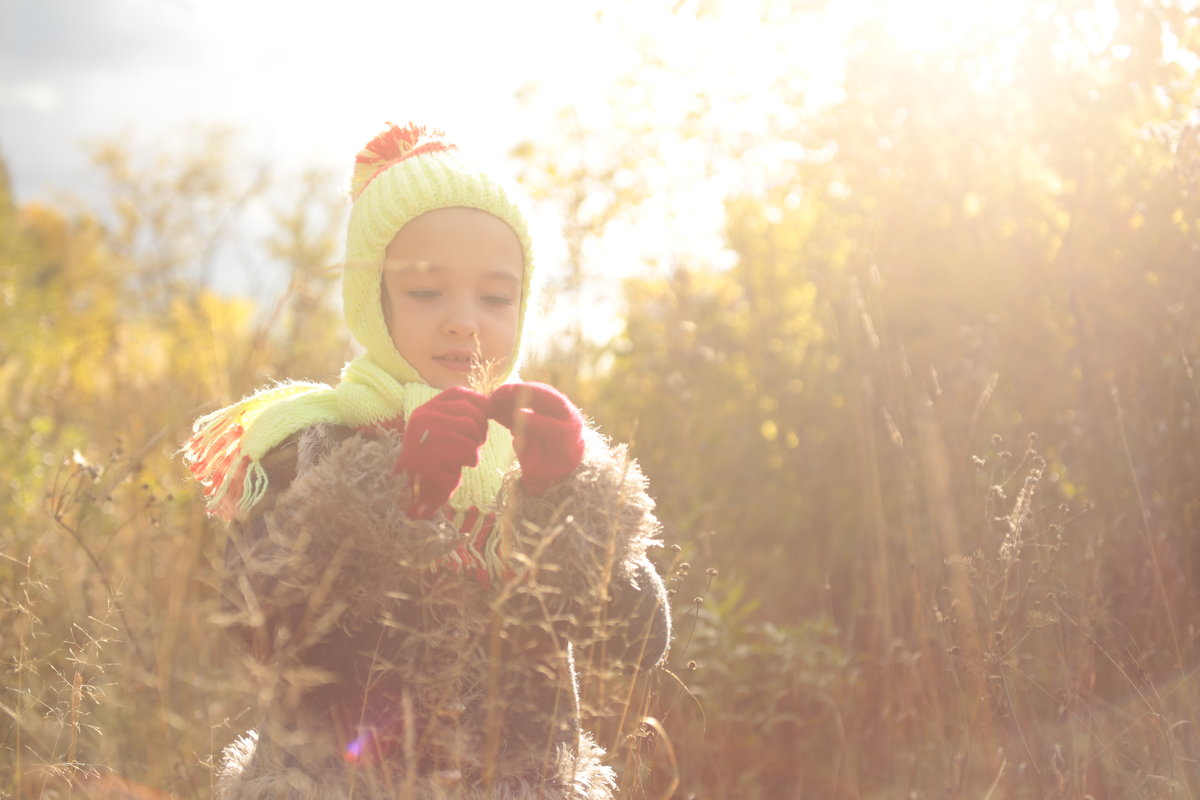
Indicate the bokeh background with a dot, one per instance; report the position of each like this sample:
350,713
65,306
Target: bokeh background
897,302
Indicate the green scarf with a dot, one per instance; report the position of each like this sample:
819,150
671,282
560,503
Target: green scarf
226,451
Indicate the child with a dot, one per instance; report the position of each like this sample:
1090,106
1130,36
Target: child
417,554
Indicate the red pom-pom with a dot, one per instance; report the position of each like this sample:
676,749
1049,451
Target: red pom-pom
394,145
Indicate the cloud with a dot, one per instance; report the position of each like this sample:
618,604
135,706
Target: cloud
301,83
35,95
59,39
72,71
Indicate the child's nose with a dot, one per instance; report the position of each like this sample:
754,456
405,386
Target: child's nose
461,319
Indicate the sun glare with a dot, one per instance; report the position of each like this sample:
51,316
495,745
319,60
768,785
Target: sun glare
929,26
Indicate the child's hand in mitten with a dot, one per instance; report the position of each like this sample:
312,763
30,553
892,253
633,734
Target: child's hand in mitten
440,438
547,431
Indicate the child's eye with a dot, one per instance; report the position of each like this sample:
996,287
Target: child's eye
423,294
497,300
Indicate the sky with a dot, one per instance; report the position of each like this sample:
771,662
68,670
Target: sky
305,81
306,84
301,84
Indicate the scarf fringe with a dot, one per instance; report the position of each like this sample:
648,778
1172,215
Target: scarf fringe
484,553
229,473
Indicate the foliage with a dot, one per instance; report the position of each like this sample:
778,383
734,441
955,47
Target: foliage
999,238
106,560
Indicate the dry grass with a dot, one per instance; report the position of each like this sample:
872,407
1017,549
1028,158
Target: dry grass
983,656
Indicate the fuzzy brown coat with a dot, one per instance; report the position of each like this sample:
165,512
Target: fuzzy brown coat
383,676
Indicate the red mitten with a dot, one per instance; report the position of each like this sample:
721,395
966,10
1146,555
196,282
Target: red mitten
547,431
440,438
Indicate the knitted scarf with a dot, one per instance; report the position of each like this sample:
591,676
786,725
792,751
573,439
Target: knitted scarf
226,451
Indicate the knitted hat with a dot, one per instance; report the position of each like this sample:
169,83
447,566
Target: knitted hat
401,174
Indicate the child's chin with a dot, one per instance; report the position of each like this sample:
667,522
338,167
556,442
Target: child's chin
446,379
443,377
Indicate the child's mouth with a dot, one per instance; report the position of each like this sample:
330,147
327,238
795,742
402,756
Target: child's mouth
455,362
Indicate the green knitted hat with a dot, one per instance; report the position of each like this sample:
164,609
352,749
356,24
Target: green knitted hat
401,174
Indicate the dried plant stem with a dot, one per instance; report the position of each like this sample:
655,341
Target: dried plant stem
18,747
134,641
1145,517
76,692
654,724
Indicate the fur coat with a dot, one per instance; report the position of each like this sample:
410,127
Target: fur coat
383,674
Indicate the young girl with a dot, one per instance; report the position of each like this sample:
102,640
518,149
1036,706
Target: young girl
418,554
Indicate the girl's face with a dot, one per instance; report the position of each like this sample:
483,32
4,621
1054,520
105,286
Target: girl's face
452,294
